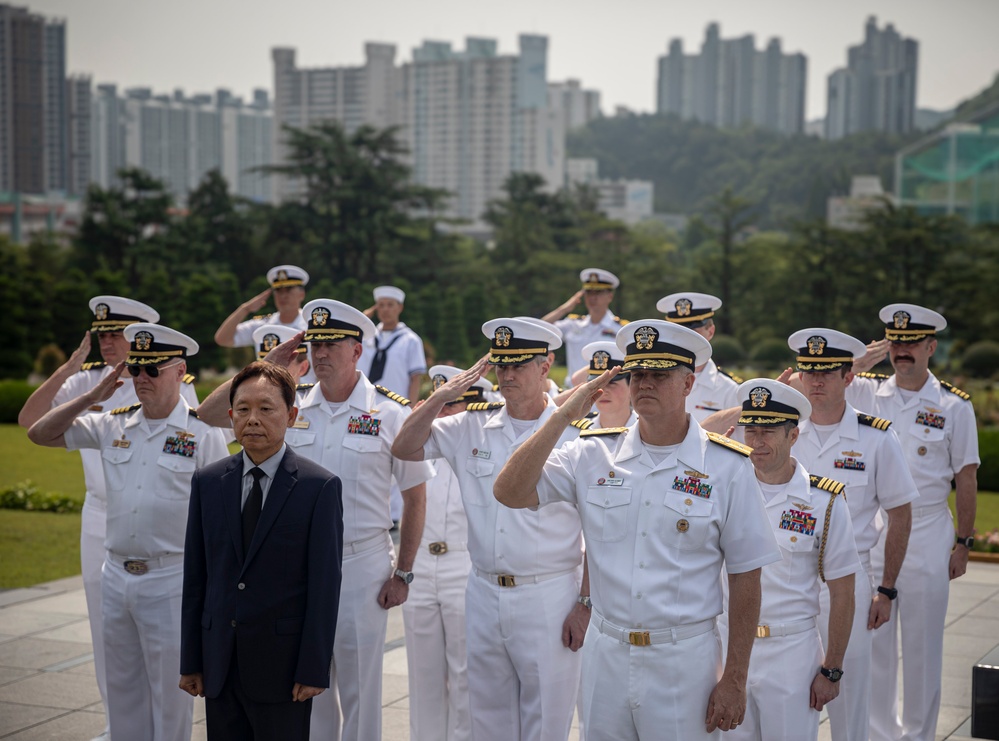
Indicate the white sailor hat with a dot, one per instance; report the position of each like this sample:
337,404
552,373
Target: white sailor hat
114,313
331,321
516,340
396,294
153,344
820,349
283,276
597,279
688,308
545,325
602,356
441,374
769,402
654,344
910,323
269,336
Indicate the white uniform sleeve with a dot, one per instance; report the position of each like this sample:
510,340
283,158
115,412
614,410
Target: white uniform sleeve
747,538
840,557
558,477
213,447
860,393
416,362
86,431
189,394
443,434
243,337
73,387
964,444
893,483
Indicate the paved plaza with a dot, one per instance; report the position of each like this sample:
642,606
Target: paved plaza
48,691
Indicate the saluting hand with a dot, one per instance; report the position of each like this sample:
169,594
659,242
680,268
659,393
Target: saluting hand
106,387
462,382
583,397
286,353
257,301
876,352
78,357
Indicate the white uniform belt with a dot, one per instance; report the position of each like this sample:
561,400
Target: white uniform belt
651,637
440,547
929,510
784,629
139,566
365,544
509,580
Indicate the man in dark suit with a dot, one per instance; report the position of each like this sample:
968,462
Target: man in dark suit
261,572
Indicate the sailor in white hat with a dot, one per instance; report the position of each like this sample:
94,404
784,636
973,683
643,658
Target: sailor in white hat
714,388
522,678
862,451
663,505
935,423
791,676
287,286
613,408
149,451
598,323
111,314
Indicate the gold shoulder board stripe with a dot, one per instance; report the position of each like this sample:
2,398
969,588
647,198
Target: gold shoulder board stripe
194,413
603,431
729,443
830,485
304,386
573,316
95,365
876,422
729,375
955,390
125,410
583,424
485,406
874,376
189,378
392,395
620,321
261,316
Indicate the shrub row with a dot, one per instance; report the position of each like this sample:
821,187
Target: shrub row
27,496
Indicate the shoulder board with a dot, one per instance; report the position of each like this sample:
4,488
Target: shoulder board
829,485
392,395
955,390
193,413
620,321
873,376
261,316
727,442
304,386
573,316
591,415
189,378
125,410
495,387
95,365
876,422
729,375
485,406
603,431
582,424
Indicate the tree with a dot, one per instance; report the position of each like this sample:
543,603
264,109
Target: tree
727,215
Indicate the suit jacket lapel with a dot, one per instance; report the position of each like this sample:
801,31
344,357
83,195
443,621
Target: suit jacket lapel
277,495
232,501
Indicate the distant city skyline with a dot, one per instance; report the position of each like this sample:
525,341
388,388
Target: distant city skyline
202,46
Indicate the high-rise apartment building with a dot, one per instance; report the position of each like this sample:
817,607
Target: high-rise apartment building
876,91
79,133
578,106
731,83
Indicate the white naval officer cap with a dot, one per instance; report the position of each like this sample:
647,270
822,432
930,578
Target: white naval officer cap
282,276
396,294
598,279
655,344
602,356
689,308
517,340
769,402
910,323
114,313
820,349
269,336
332,321
154,344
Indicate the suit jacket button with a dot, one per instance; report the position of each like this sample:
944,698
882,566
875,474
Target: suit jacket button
241,585
233,623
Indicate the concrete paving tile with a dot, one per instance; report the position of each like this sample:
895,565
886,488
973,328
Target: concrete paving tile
199,733
956,691
957,667
15,717
52,689
78,631
20,621
86,668
395,724
69,726
10,674
199,709
4,637
35,653
982,573
73,603
976,626
394,688
963,732
964,646
988,608
950,718
395,662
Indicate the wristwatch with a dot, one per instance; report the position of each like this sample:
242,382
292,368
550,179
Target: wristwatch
966,542
584,600
406,576
833,675
889,593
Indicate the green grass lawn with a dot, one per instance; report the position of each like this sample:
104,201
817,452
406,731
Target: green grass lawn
52,469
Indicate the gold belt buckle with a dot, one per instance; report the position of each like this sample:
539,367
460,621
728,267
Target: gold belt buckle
438,549
506,580
136,567
762,631
639,638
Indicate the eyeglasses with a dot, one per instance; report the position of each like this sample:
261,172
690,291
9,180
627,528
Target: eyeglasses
153,371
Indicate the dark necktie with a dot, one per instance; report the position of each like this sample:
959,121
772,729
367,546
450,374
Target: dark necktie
251,510
378,362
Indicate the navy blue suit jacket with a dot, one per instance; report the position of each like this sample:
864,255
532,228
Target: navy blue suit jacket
274,602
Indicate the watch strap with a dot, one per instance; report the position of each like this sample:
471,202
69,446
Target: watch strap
888,592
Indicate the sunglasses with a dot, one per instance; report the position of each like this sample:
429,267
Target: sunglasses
153,371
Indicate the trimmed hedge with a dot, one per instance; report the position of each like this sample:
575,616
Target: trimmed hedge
13,394
27,496
988,451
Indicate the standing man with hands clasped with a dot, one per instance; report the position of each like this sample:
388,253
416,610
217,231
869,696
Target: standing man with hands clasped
663,504
261,572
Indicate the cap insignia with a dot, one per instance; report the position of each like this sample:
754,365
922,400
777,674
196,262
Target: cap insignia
594,278
901,319
101,312
503,336
683,307
143,340
601,358
270,342
645,337
439,380
282,275
816,345
319,316
759,397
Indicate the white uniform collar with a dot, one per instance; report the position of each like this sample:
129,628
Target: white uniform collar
799,487
178,416
690,452
931,391
359,396
848,427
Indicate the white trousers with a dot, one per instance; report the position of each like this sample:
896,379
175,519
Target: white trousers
849,715
522,681
655,693
142,650
358,650
93,528
919,612
781,671
434,619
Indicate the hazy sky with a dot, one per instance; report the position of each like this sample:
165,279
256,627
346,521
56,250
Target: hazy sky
199,45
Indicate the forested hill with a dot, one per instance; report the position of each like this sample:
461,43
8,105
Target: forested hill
690,163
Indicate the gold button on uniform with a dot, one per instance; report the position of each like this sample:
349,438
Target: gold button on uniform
688,502
682,526
922,450
794,538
